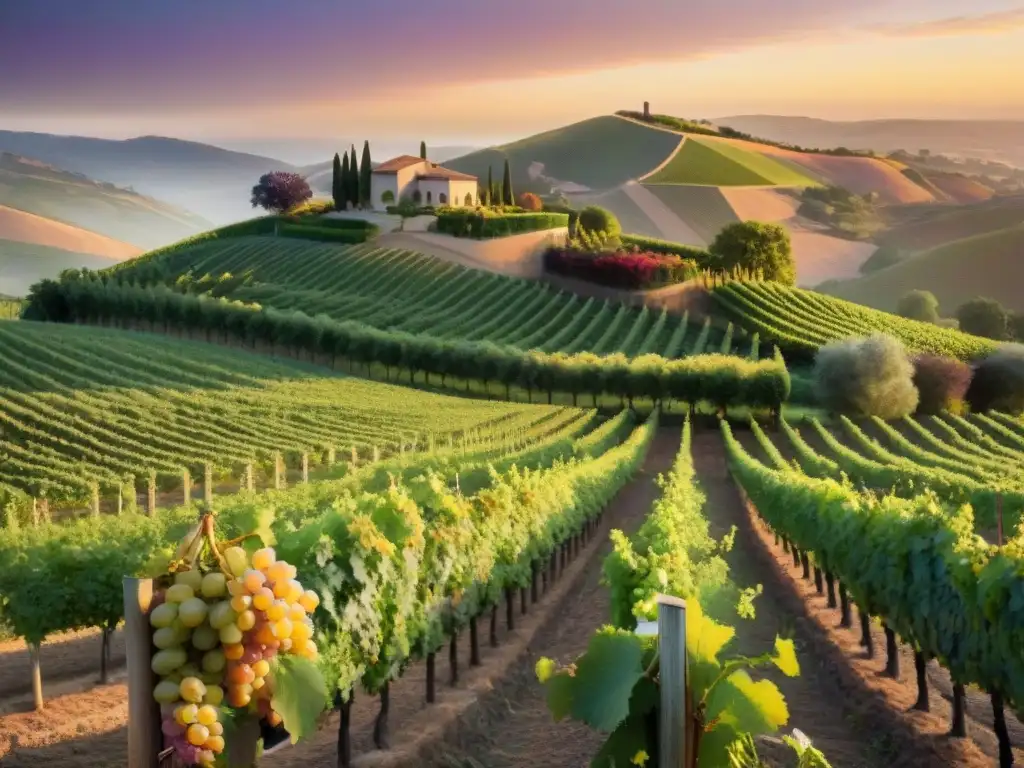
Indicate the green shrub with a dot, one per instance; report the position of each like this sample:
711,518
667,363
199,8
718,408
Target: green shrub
755,247
983,317
919,305
866,377
885,256
481,224
326,234
941,383
593,218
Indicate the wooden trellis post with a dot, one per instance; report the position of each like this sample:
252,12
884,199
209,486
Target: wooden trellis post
95,499
144,736
331,456
208,484
278,484
186,487
671,631
151,493
305,467
355,457
250,477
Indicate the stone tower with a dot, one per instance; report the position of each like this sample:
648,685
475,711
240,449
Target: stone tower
647,110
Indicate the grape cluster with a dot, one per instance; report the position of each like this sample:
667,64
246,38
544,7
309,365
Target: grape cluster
216,634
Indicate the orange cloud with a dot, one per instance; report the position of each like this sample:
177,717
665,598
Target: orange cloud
997,23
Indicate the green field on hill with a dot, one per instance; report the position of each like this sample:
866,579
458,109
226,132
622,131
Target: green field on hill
988,265
718,163
705,209
599,153
407,291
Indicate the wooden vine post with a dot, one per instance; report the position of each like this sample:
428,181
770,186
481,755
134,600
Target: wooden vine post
151,494
144,735
277,471
37,676
305,467
208,484
95,499
672,722
186,487
250,478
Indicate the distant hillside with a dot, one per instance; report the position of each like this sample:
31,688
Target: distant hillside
985,265
213,182
986,139
932,226
54,193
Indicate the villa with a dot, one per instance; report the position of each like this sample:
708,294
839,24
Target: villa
422,182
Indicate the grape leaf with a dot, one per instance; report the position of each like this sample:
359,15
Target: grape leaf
605,677
300,695
785,657
560,687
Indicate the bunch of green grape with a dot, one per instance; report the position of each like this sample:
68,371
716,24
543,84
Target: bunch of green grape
217,627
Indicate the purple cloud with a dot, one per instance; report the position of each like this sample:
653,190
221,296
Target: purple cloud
152,57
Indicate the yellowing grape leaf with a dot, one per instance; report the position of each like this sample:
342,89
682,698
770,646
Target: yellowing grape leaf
785,657
545,668
300,695
749,707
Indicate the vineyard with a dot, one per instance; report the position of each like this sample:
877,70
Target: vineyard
803,321
976,460
900,543
92,414
409,292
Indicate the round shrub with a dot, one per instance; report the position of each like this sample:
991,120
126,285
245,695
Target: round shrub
941,382
756,247
998,383
983,317
885,256
866,377
919,305
530,202
596,219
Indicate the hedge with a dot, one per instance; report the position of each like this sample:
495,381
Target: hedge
699,255
719,379
348,236
480,224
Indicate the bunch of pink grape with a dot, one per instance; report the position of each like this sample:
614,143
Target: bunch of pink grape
273,612
216,632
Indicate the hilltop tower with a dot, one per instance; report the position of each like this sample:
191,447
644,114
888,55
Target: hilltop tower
647,110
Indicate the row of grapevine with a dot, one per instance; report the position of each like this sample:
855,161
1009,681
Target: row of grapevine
411,292
672,553
801,321
905,468
722,380
913,562
82,407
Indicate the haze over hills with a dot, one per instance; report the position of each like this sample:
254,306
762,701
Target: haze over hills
985,139
208,180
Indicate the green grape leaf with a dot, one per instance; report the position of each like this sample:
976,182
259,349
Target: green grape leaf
605,677
300,695
560,692
627,745
748,706
785,657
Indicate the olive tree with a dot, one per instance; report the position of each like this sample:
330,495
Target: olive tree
866,377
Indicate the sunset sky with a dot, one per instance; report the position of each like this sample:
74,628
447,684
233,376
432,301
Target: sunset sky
480,71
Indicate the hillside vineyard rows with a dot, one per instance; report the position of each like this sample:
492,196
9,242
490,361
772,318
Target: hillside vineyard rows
803,320
407,291
911,559
86,406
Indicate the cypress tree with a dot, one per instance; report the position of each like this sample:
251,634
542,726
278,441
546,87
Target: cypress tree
423,150
506,186
341,193
365,175
353,167
490,187
337,183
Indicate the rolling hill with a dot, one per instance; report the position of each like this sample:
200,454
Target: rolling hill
986,139
706,162
596,154
930,227
54,193
208,180
32,247
985,265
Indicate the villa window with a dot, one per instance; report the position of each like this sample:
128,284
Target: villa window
430,197
442,199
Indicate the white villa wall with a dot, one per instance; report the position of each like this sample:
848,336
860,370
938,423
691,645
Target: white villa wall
379,184
407,179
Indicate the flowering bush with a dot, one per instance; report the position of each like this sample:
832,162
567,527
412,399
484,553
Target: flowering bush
620,269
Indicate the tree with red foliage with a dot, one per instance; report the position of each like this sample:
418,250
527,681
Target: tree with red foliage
530,202
280,190
941,382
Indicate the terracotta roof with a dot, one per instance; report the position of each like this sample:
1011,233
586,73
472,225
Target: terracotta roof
438,172
397,164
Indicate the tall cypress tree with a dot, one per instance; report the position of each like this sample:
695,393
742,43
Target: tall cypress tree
337,183
341,193
365,175
353,167
506,186
490,186
423,150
